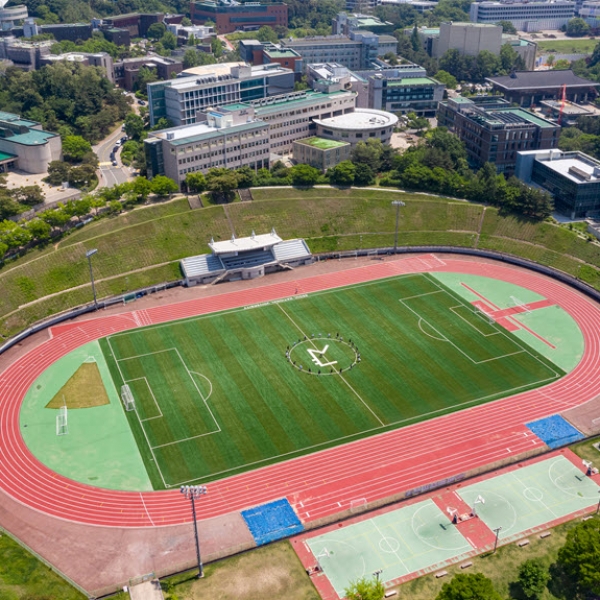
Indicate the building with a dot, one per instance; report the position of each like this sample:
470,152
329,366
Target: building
420,6
136,23
184,33
126,71
358,126
590,13
23,54
346,23
332,77
231,139
361,5
25,146
245,258
357,51
11,15
93,59
468,38
182,99
529,88
320,153
119,37
573,178
524,15
494,131
231,16
526,49
564,113
294,116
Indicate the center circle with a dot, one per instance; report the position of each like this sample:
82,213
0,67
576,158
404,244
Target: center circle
389,545
533,494
323,354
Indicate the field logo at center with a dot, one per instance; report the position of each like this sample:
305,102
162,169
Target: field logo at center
315,357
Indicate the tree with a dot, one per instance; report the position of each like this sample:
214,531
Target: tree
245,177
533,577
550,60
169,40
134,126
29,195
58,172
364,175
342,173
579,558
448,80
507,27
195,182
190,58
156,31
145,76
81,176
415,40
304,175
75,147
141,188
221,182
472,586
577,27
561,65
508,57
217,47
267,34
368,153
365,589
163,186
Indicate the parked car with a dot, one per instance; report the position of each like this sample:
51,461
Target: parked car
112,156
114,163
115,149
124,139
118,143
141,103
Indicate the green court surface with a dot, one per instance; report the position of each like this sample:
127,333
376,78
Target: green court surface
404,541
531,496
99,448
217,395
552,323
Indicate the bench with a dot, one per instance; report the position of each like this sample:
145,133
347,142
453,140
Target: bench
390,594
545,534
466,565
523,543
441,574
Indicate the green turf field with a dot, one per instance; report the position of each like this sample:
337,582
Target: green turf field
216,395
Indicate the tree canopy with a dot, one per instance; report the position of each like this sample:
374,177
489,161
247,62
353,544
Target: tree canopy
365,589
471,586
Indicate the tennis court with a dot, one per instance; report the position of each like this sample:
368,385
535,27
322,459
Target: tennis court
531,496
397,543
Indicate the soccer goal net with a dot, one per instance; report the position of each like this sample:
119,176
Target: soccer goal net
62,427
127,397
520,304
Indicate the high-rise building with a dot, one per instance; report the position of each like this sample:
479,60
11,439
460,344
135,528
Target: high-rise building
468,38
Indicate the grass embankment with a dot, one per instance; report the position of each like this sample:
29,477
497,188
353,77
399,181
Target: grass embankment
585,46
273,571
143,247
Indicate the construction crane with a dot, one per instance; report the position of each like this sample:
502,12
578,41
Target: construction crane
563,99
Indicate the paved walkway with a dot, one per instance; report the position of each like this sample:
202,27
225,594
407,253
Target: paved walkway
148,590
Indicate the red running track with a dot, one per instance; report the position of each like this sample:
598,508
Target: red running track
323,483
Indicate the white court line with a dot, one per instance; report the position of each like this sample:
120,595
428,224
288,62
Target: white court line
383,537
479,316
539,501
160,415
340,375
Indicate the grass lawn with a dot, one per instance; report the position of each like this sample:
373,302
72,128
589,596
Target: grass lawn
586,450
273,571
574,46
216,395
22,576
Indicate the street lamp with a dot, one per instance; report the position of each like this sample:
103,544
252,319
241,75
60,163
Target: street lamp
89,255
598,509
497,531
397,204
191,492
378,573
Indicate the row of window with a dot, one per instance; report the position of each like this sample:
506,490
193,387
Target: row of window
224,162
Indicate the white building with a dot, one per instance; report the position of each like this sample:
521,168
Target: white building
468,38
358,126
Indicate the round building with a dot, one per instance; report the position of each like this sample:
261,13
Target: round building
358,126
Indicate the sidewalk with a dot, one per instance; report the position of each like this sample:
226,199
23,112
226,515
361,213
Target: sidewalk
148,590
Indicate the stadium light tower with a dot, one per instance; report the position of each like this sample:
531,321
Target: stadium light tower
191,492
378,573
497,531
598,509
397,204
89,255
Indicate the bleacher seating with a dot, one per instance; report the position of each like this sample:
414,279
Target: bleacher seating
204,264
246,260
290,250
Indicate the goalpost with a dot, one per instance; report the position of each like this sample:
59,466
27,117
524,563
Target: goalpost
520,304
62,427
127,398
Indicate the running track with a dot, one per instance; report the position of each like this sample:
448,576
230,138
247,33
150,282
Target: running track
324,483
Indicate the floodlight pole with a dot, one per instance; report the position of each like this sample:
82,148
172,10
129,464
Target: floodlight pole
378,573
89,255
191,492
497,531
598,509
397,204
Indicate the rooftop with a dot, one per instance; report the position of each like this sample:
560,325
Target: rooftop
412,81
219,69
568,108
272,104
511,116
244,244
319,41
186,134
281,53
575,166
527,80
361,118
321,143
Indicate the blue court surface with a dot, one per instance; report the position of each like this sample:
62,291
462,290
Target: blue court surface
555,431
272,521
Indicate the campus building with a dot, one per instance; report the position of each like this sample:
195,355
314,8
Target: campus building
494,131
25,146
332,77
95,59
420,6
345,24
358,126
359,50
468,38
231,139
183,100
126,71
573,179
524,15
231,16
137,24
529,88
11,15
24,54
320,153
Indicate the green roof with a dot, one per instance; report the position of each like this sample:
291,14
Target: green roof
530,117
412,81
282,53
321,143
6,156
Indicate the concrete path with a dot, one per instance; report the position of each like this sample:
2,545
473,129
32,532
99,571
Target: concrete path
148,590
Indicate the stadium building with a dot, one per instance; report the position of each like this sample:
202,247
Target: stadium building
245,258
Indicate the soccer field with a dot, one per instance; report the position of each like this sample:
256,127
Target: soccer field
227,392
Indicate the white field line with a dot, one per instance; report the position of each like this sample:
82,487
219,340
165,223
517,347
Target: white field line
525,487
476,313
340,375
383,537
160,415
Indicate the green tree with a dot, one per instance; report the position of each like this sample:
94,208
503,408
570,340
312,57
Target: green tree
134,126
561,65
245,177
368,153
195,182
364,175
81,176
145,76
58,172
221,182
163,186
342,173
415,40
472,586
304,175
217,47
75,147
448,80
156,31
577,27
579,558
8,207
365,589
169,40
190,58
533,577
267,34
550,60
507,27
141,188
30,195
508,57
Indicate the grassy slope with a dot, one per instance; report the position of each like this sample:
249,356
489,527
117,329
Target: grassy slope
329,219
266,409
573,46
